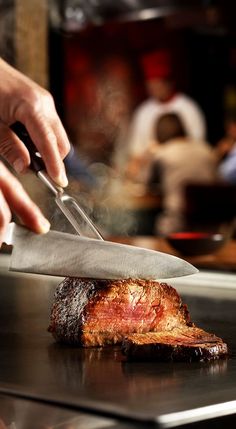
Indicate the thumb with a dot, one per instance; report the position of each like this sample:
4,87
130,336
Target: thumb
13,150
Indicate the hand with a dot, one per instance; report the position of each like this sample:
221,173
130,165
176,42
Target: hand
14,198
23,100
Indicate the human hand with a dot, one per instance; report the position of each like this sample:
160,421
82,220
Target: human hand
13,198
23,100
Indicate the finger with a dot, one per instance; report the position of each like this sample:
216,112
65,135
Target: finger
49,110
13,150
5,216
20,203
56,124
46,142
62,139
37,117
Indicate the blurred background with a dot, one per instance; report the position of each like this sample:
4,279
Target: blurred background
91,55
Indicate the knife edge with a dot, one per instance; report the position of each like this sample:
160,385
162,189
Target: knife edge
63,254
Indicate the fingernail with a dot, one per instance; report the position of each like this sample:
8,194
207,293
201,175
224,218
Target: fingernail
19,165
62,180
44,226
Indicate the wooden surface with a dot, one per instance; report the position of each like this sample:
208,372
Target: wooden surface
223,259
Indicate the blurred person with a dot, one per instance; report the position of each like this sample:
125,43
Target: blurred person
163,98
23,100
224,145
227,167
179,160
78,170
226,151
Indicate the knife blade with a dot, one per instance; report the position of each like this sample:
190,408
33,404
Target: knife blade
62,254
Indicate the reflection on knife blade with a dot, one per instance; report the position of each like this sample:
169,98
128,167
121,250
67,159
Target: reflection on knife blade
62,254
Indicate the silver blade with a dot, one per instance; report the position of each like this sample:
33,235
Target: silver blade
62,254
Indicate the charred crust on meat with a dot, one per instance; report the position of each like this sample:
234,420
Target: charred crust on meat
97,312
181,344
146,316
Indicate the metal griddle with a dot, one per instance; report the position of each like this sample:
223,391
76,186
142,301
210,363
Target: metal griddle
98,380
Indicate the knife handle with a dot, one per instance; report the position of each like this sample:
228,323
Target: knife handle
37,164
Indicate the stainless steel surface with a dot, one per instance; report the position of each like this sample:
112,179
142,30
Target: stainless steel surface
64,254
16,413
82,224
99,380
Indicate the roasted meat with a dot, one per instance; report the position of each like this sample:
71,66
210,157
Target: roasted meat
98,312
180,344
147,317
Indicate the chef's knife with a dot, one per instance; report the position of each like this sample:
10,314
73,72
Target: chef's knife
62,254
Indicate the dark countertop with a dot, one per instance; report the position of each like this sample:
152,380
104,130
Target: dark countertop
98,380
28,414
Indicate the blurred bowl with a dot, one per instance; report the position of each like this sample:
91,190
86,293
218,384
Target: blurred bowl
196,243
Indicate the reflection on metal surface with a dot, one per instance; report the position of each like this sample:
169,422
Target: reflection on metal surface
17,413
62,254
209,279
197,414
99,379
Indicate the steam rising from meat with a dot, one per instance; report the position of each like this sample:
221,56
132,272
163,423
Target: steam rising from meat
105,204
105,124
102,117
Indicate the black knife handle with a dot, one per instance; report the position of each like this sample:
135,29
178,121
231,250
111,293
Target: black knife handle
37,164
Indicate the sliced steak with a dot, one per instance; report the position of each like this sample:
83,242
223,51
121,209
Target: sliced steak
180,344
98,312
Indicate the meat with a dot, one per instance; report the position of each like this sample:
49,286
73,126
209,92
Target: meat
180,344
99,312
146,316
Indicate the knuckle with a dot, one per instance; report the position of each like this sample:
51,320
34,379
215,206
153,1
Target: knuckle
35,103
30,102
32,94
6,148
37,99
57,164
48,103
48,96
49,139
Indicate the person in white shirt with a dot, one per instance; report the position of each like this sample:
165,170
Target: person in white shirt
179,160
158,71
